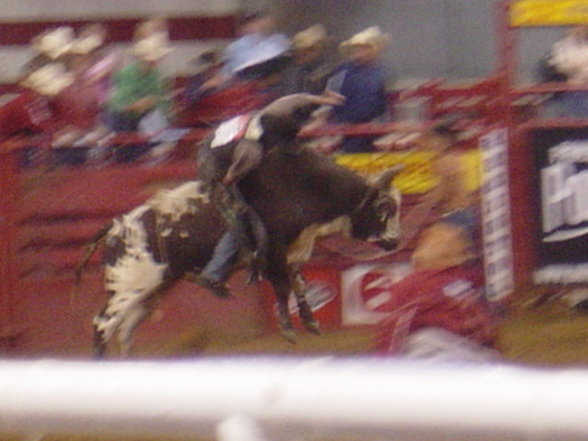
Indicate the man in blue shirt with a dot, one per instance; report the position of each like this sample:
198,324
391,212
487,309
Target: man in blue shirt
362,82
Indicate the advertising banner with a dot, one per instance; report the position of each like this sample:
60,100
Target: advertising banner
549,12
562,195
417,176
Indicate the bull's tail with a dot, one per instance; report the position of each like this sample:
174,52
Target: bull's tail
97,241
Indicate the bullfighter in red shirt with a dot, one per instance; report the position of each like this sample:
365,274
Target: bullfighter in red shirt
439,311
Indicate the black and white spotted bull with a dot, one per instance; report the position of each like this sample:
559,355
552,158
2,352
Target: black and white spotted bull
158,243
174,234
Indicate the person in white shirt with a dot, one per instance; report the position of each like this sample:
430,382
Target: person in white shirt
569,56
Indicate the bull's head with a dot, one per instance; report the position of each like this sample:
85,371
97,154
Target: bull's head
377,218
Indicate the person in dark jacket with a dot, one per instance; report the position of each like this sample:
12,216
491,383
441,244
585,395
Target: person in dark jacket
361,80
308,70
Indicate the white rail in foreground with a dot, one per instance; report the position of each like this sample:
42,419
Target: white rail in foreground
294,398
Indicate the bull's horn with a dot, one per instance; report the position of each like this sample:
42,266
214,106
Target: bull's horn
384,179
287,104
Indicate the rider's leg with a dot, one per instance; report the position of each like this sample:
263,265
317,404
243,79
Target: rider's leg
260,243
251,231
218,269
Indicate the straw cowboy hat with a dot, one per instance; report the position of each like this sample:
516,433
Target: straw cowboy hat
371,36
309,37
49,79
86,45
54,43
152,47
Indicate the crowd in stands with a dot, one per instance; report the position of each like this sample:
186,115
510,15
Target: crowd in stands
79,90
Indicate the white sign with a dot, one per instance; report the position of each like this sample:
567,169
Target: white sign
495,207
366,287
564,192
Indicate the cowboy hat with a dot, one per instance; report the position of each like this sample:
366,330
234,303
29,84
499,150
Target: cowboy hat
54,43
152,47
371,36
309,37
49,79
86,45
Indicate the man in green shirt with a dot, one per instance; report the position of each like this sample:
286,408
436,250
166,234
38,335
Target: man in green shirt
139,88
139,101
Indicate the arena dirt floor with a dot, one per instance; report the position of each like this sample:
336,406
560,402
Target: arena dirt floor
539,329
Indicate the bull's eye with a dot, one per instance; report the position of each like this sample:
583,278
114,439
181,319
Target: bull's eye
383,210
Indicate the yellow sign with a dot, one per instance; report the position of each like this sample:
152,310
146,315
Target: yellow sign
548,12
417,176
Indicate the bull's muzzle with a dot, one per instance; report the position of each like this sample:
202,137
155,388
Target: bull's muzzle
387,245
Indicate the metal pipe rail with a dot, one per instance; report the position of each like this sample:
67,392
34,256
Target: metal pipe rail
294,398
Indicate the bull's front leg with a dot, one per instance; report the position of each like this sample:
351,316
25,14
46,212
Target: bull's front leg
304,310
281,283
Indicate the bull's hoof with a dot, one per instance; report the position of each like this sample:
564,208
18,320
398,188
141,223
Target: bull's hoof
312,326
254,277
289,334
219,289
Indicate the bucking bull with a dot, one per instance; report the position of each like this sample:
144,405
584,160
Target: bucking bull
173,234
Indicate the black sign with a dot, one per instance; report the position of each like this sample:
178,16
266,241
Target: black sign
561,163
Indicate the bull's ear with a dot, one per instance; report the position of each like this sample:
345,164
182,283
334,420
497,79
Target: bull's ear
384,179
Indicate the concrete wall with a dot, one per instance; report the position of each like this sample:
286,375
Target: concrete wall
455,39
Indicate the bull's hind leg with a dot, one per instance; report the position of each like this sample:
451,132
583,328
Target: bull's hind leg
104,327
99,336
122,314
127,328
304,310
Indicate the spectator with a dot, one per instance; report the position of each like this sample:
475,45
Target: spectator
569,56
439,311
360,79
31,112
140,99
308,71
257,53
207,65
449,201
155,25
99,62
80,106
53,43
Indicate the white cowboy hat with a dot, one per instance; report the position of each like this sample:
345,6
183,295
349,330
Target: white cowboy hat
309,37
152,47
54,43
87,44
50,79
371,36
